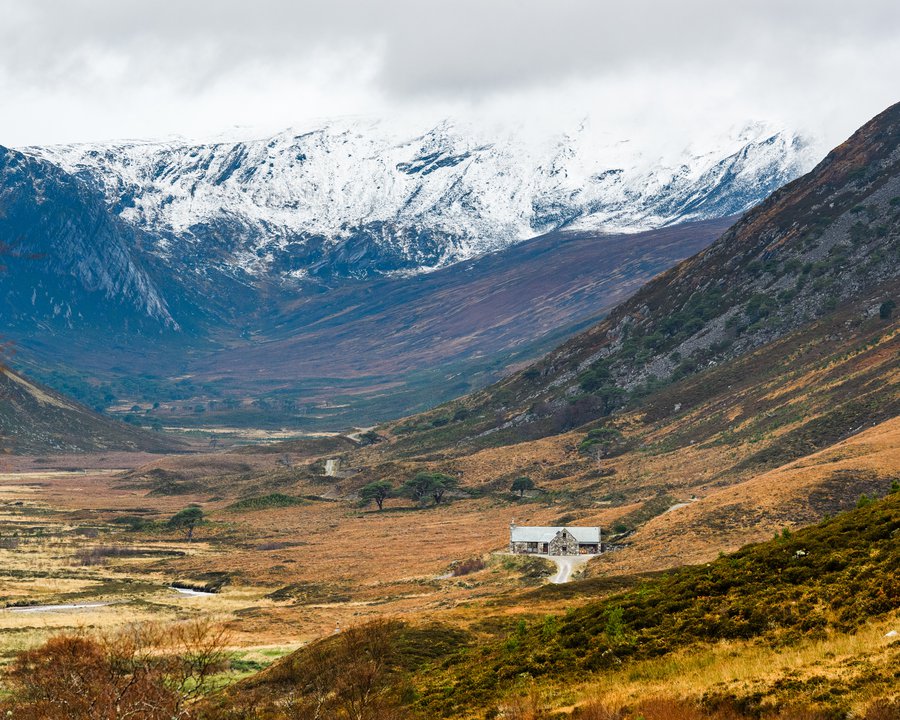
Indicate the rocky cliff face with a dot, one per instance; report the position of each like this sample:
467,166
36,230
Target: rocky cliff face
69,259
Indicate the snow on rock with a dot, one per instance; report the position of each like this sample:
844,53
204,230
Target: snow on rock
356,197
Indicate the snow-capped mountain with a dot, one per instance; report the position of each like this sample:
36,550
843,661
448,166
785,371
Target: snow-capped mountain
356,198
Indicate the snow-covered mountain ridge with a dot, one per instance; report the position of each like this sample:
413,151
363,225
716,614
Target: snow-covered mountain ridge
355,198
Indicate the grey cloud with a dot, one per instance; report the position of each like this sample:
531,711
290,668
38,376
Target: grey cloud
467,46
467,50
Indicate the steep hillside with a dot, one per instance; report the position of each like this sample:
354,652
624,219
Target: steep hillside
836,576
827,242
37,420
70,261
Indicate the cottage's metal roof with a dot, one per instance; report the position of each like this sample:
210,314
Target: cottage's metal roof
518,533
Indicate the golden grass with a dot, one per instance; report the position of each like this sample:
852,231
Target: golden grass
746,668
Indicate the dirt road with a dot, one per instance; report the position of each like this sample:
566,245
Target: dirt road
567,565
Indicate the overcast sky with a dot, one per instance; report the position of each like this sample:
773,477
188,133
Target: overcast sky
75,70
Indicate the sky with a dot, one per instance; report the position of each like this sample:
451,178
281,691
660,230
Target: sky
93,70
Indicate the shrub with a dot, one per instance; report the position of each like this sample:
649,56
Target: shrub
467,567
604,441
147,672
266,502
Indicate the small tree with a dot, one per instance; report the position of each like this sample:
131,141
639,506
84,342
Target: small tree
442,483
522,485
379,491
186,520
423,484
417,487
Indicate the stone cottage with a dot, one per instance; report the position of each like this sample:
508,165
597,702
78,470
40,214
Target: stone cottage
554,540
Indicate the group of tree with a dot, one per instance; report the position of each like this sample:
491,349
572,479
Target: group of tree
423,487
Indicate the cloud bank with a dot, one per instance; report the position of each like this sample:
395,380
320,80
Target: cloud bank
102,69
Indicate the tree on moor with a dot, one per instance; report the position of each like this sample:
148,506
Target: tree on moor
377,491
186,520
522,485
425,484
442,484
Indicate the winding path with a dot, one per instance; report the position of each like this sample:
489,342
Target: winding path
566,566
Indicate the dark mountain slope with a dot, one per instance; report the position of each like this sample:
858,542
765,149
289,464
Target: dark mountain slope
377,349
828,240
70,262
35,419
494,303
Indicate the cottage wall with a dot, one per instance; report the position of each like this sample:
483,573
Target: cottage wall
563,542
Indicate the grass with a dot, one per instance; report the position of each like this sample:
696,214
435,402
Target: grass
266,502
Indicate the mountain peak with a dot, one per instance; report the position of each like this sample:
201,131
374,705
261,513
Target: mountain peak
415,200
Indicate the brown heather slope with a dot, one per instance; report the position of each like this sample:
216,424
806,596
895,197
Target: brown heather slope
36,419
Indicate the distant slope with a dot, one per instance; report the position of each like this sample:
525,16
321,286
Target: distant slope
35,419
354,354
827,241
493,304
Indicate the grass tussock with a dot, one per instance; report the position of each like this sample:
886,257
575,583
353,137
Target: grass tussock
267,502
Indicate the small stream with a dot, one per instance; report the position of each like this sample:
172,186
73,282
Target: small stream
192,593
57,608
